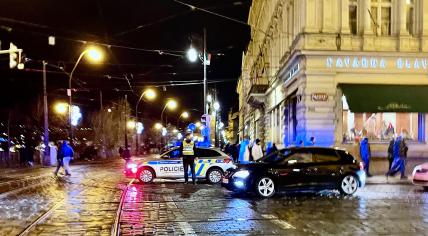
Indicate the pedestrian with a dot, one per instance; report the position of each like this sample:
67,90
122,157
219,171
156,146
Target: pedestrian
121,151
243,147
311,142
400,155
390,152
67,153
59,159
235,152
248,152
365,154
273,149
256,150
187,151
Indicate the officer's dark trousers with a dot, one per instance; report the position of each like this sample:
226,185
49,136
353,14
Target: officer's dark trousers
189,161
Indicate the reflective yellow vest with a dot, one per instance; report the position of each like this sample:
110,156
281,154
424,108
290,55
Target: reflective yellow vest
188,148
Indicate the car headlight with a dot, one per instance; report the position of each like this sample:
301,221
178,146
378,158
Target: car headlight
417,169
242,174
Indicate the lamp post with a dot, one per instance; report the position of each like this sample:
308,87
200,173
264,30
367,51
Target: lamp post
171,104
149,94
95,55
192,55
216,109
185,115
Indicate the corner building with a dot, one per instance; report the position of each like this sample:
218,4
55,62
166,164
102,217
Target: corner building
335,69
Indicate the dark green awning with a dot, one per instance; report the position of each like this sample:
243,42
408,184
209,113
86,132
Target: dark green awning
386,98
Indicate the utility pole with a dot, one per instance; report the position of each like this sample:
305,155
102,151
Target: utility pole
205,71
126,135
103,149
46,159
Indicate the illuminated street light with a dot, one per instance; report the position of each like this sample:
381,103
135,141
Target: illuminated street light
109,110
94,54
158,126
175,131
185,115
221,125
209,98
192,54
61,108
171,104
216,106
198,124
130,124
150,94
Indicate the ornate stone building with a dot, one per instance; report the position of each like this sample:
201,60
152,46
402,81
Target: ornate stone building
336,70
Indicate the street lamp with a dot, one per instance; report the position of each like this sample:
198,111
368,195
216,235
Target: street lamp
158,126
192,56
183,115
150,94
216,106
171,104
94,54
61,108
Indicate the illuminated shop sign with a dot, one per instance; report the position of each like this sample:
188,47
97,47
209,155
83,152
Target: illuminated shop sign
377,63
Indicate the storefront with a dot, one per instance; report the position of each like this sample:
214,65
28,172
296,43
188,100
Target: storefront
337,97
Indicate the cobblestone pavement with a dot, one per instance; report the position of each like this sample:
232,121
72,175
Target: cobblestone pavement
86,204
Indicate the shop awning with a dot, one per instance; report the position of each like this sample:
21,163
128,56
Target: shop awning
386,98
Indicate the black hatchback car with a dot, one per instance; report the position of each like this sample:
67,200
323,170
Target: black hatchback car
299,168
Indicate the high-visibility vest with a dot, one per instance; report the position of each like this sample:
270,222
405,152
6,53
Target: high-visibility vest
188,148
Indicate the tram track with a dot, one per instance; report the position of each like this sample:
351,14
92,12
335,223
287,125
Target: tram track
115,230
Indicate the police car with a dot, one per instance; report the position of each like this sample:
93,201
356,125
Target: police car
210,164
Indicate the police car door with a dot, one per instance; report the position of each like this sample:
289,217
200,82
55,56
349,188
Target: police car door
171,165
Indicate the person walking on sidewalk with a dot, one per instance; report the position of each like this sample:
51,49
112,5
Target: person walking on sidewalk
256,150
400,156
365,154
67,153
187,151
391,152
59,158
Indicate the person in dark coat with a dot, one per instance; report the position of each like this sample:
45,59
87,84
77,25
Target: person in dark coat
400,156
365,154
391,153
59,158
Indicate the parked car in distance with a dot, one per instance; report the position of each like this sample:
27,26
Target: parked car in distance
420,176
298,168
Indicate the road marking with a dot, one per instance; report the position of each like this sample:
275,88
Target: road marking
281,223
184,225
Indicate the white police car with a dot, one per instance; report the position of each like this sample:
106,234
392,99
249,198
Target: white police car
210,164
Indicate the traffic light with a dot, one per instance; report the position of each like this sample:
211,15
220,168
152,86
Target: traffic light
15,57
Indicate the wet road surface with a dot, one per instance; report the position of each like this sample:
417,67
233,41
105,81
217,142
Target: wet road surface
87,202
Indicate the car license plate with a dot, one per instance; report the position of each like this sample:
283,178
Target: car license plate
225,181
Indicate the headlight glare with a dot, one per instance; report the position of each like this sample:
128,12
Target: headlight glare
242,174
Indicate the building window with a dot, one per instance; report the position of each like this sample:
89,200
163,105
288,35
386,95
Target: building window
381,127
353,16
410,16
380,14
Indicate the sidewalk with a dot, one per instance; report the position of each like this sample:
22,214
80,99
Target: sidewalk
381,179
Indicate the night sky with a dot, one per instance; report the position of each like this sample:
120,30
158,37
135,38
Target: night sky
148,41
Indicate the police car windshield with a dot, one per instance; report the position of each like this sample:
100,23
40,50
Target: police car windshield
173,153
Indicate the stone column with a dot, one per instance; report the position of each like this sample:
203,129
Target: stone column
424,18
367,18
402,19
345,17
328,16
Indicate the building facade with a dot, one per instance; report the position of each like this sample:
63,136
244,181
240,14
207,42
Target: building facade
336,70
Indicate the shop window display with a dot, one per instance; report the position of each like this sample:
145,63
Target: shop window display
380,126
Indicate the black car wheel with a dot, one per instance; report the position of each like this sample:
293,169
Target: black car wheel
145,175
214,175
265,187
348,185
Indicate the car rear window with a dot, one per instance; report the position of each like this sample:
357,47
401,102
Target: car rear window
207,153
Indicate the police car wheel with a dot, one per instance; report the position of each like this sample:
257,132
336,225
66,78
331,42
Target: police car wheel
348,185
145,175
265,187
214,175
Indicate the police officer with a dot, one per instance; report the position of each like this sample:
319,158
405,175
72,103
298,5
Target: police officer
187,150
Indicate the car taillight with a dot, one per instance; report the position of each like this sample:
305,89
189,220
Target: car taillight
227,160
361,165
